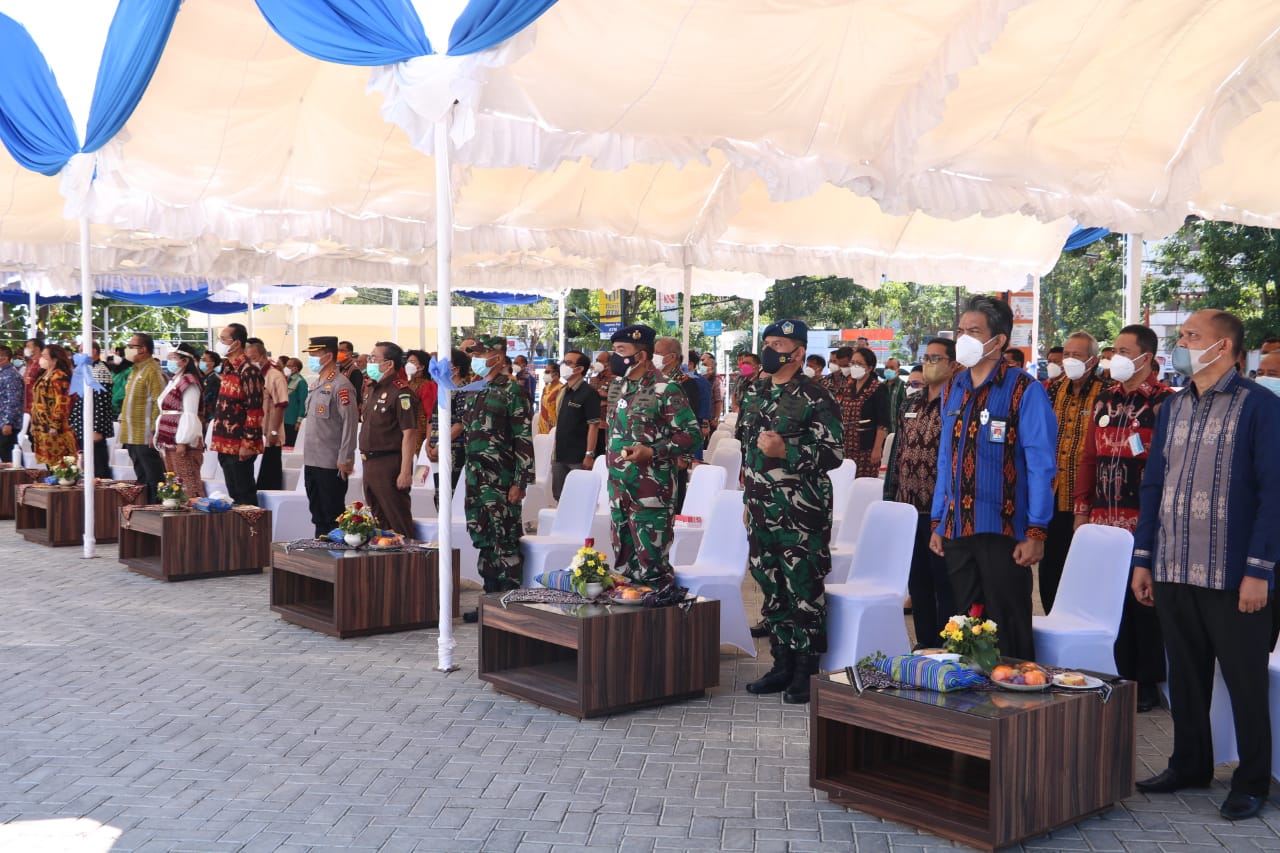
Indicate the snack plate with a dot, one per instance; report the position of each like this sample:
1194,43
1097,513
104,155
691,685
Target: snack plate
1090,683
625,602
373,547
1022,688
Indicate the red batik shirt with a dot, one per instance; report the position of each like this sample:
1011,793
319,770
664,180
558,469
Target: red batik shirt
237,416
1115,453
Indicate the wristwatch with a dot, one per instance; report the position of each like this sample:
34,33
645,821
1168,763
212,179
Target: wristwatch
590,455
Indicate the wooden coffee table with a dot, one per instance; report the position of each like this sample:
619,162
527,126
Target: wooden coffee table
179,545
10,477
354,593
54,515
985,768
588,660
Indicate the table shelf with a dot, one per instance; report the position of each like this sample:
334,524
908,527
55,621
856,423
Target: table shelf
186,545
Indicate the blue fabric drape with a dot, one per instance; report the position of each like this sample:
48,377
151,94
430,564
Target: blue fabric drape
193,300
1081,237
35,124
500,298
350,32
384,32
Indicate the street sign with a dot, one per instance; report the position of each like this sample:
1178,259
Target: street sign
608,327
712,328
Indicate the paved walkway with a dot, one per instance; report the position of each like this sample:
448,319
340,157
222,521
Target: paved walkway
140,716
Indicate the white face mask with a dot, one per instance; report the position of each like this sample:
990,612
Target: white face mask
911,392
847,371
596,367
288,371
659,362
220,348
703,370
28,352
409,369
1074,368
130,353
857,371
566,372
970,350
810,372
1105,364
1054,370
1123,367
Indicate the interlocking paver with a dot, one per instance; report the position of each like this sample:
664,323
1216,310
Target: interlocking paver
189,717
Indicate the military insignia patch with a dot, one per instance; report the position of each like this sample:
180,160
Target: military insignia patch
788,327
635,336
344,397
405,403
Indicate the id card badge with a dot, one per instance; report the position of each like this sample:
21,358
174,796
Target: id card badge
1135,444
997,431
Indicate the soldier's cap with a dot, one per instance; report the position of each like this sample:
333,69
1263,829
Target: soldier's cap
797,330
485,343
324,343
639,334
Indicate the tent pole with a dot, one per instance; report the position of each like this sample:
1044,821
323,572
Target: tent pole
755,325
561,309
248,314
297,328
1133,279
395,314
687,306
208,318
422,317
32,307
444,346
86,347
1035,324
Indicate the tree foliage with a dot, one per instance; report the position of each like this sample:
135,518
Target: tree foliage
1221,265
1084,291
61,322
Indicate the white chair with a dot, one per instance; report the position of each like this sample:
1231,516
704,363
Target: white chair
716,437
428,530
884,454
720,566
728,456
1080,630
705,483
841,481
864,614
538,495
290,512
571,528
861,494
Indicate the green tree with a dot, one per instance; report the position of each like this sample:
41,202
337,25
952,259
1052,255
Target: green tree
1221,265
1084,291
61,322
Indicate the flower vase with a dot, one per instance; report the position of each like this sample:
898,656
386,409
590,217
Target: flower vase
355,540
170,503
66,481
594,590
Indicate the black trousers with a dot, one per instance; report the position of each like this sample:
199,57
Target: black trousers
1139,648
1062,529
1202,626
932,601
982,571
238,475
101,459
271,472
7,443
326,496
457,459
148,467
291,435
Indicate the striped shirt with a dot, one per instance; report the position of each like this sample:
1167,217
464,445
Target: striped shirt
141,401
1210,500
1074,410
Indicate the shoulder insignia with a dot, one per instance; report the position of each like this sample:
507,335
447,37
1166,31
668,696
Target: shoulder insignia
344,396
405,402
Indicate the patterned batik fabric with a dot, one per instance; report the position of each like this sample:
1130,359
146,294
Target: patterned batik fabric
1073,409
237,416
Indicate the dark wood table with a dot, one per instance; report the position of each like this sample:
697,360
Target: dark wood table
54,515
588,660
986,768
179,545
11,477
354,593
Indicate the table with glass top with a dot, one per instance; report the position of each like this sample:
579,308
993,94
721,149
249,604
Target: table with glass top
587,660
352,593
988,768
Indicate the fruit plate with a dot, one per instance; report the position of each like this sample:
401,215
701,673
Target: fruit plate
373,547
1021,688
1090,683
625,602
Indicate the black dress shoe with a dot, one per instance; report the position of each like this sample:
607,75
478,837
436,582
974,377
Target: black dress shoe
761,629
1240,806
1169,781
471,617
1148,698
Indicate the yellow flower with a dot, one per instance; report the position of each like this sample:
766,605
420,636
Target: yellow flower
977,629
989,625
951,628
577,573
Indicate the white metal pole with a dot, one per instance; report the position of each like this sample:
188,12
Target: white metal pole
562,310
444,346
32,307
687,307
208,320
86,347
755,325
395,314
422,318
249,305
1133,278
297,328
1035,324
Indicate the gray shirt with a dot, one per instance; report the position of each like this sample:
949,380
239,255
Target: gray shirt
333,419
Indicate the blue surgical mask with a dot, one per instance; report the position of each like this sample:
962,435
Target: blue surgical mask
171,366
1271,383
480,367
313,363
373,371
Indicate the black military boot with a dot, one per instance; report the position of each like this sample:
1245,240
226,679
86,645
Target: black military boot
798,692
776,679
760,629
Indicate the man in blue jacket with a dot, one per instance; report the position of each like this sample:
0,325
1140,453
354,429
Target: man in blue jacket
996,464
1205,553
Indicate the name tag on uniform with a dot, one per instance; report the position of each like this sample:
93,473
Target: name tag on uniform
911,414
1135,444
997,431
622,404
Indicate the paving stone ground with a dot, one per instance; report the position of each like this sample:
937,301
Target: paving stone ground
142,716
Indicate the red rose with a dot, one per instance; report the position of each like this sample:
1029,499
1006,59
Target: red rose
975,612
357,505
359,519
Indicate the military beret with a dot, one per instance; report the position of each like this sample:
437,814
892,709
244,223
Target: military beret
638,334
484,343
797,330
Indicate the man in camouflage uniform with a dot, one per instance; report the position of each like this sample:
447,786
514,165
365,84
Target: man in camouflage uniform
791,436
498,435
650,426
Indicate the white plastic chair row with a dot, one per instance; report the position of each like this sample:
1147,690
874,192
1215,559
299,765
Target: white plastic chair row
705,483
720,566
861,494
570,527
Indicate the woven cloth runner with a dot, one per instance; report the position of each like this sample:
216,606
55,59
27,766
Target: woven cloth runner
329,545
537,595
873,678
249,515
127,511
129,492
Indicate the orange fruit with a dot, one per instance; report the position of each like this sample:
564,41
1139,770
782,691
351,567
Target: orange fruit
1034,676
1002,673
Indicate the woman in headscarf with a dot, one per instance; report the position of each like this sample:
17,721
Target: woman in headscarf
51,436
179,430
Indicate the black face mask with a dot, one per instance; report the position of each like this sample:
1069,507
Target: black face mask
621,364
771,361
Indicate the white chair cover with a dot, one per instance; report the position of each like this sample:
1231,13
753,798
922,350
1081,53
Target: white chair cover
728,455
569,530
861,494
705,483
841,482
720,567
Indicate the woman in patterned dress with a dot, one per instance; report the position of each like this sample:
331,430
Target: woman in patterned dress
179,430
864,411
51,436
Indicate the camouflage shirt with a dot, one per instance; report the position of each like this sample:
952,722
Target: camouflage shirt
653,412
805,414
498,435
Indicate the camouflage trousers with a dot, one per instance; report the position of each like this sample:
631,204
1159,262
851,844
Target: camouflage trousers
495,527
790,563
641,541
